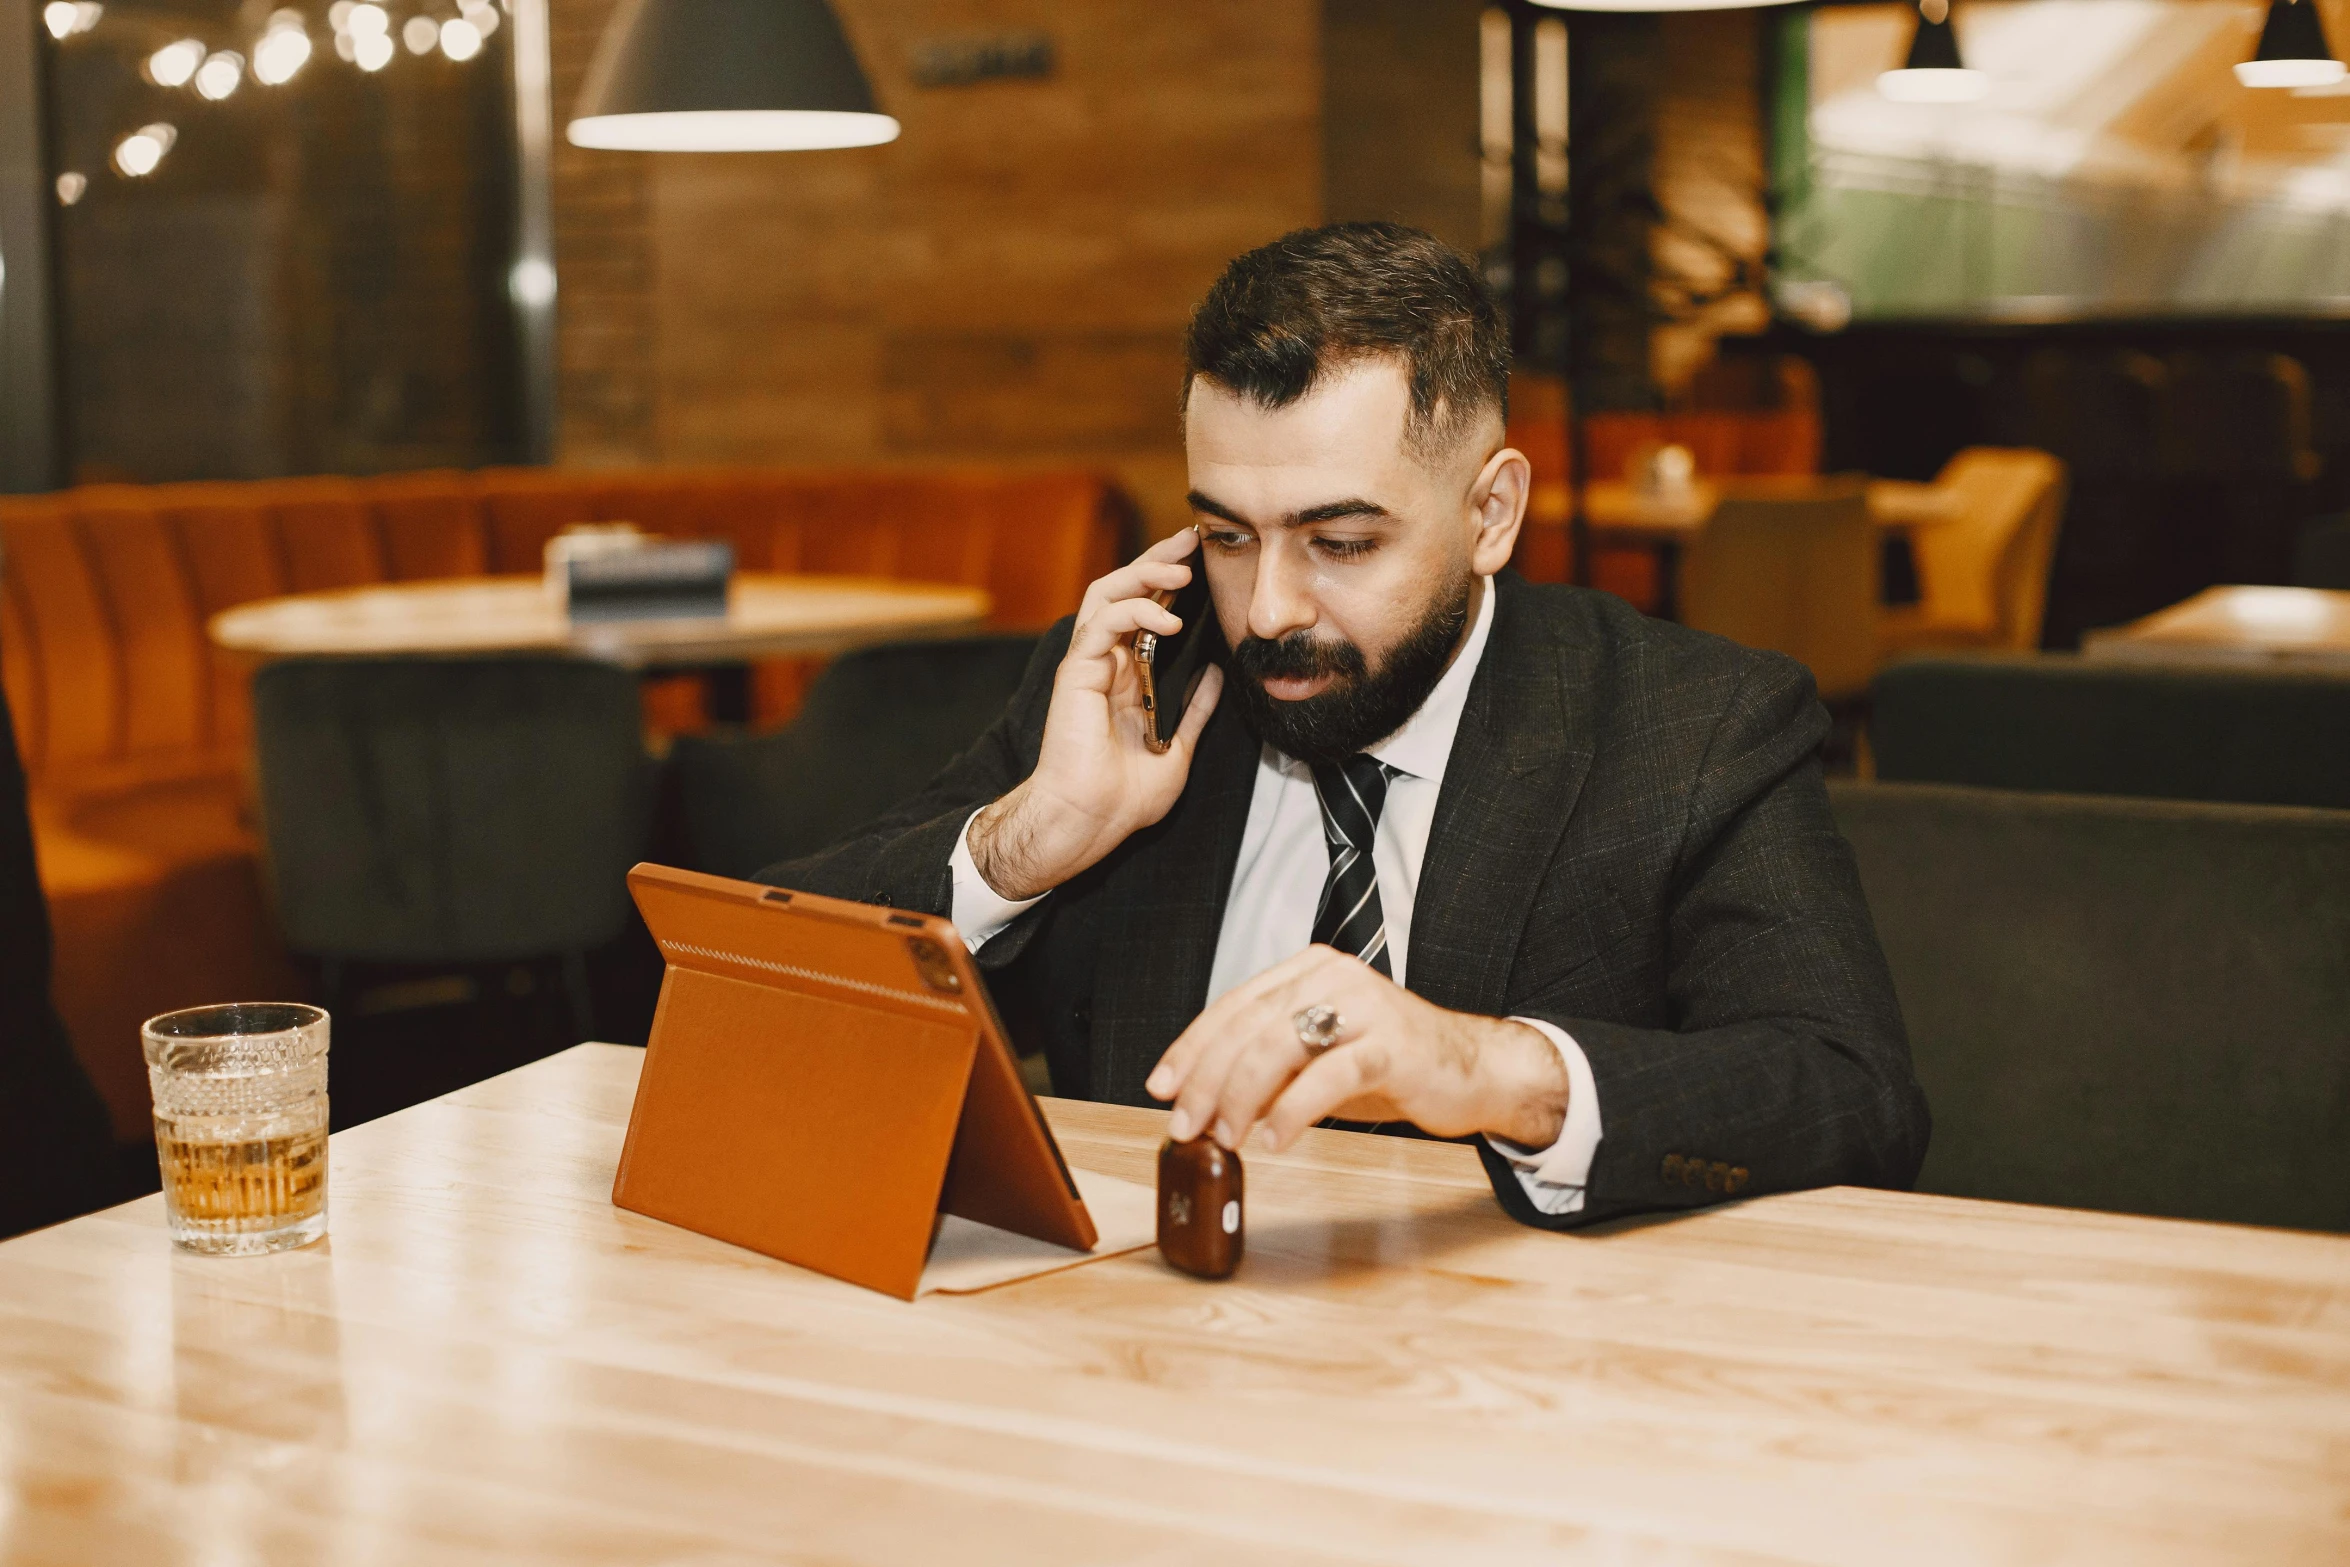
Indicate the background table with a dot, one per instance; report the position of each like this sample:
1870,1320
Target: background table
767,616
2270,626
487,1362
1621,512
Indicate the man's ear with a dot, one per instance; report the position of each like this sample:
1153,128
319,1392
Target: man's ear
1497,509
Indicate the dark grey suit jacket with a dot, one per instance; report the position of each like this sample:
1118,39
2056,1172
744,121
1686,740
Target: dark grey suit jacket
1632,841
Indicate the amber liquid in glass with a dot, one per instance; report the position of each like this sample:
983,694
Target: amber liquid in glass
259,1186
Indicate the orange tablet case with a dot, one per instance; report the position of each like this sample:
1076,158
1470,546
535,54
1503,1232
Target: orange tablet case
824,1079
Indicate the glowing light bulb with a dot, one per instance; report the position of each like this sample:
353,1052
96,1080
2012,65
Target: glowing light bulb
367,20
220,75
70,187
460,39
338,15
138,154
283,50
372,51
174,63
64,18
420,34
481,14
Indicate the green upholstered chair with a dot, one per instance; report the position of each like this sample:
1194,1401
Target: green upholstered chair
2070,725
2321,554
877,725
2133,1005
459,811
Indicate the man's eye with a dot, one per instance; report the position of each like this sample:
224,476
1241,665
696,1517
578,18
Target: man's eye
1347,549
1228,539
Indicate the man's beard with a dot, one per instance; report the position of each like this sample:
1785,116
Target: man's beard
1359,707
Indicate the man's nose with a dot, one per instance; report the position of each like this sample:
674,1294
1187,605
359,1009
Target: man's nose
1279,602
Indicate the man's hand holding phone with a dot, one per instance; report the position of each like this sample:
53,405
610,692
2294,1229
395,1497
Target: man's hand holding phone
1097,779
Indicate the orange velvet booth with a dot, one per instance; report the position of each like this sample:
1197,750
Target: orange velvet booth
134,730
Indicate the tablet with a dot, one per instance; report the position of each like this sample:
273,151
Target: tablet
824,1079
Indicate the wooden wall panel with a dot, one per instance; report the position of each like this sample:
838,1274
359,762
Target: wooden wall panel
1009,280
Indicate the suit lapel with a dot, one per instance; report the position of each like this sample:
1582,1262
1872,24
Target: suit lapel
1517,766
1161,908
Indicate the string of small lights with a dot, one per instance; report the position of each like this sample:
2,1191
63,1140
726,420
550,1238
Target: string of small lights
364,35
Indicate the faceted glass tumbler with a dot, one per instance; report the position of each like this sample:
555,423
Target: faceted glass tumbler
240,1124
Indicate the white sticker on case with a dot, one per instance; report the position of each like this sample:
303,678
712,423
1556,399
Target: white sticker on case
1231,1217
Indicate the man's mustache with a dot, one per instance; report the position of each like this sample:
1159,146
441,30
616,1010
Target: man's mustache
1299,656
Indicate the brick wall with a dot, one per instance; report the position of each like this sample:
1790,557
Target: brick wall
1709,184
604,342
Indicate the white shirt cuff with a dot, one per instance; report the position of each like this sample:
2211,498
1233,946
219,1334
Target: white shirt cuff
980,911
1554,1177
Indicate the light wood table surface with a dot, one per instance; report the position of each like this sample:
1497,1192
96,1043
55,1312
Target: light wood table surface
2268,627
488,1362
767,616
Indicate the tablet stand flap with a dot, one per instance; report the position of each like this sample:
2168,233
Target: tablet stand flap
803,1112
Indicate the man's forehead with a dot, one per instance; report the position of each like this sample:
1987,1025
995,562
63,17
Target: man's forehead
1354,413
1342,439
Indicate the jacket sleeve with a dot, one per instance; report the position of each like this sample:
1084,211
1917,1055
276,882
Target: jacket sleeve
1786,1065
901,858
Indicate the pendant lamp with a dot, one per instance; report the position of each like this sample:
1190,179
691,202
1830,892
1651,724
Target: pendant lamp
2292,50
1622,6
1933,72
726,76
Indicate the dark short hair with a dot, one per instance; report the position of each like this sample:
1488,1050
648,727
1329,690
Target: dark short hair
1289,313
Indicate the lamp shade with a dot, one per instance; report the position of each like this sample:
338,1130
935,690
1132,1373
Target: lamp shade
1621,7
726,76
1933,72
2292,50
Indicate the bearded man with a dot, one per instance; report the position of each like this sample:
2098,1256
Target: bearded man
1434,848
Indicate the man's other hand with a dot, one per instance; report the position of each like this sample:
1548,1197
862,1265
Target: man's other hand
1399,1058
1097,781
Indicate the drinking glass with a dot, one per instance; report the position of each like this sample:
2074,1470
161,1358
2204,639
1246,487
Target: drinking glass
240,1124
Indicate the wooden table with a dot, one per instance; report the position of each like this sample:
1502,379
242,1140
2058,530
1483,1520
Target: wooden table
767,616
486,1362
2266,627
1622,513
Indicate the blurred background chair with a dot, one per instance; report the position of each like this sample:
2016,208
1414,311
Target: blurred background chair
1983,574
2065,724
877,724
2321,555
2139,1006
451,811
1795,574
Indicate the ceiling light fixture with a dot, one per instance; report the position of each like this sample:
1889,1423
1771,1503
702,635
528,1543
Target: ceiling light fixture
1622,6
64,18
2293,51
283,49
174,63
460,39
1933,72
727,76
220,75
138,154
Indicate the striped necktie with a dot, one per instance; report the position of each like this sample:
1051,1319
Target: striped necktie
1350,919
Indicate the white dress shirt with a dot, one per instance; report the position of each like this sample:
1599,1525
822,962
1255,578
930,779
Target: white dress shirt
1277,888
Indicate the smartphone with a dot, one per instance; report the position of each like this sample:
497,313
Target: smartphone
1171,666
